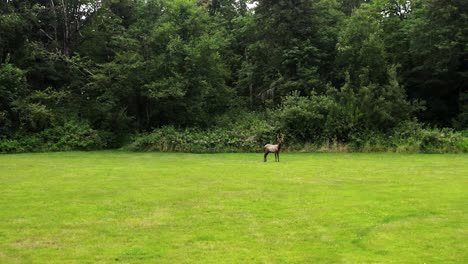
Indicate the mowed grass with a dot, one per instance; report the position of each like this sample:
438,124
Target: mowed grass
108,207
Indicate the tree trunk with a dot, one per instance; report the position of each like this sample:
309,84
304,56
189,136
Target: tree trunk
66,31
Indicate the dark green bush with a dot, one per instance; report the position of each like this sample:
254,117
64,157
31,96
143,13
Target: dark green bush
23,143
369,141
73,135
442,141
410,136
406,137
10,146
193,140
302,118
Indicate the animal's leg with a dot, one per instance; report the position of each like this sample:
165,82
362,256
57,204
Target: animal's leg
265,156
278,156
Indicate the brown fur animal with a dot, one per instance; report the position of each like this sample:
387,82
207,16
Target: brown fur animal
272,148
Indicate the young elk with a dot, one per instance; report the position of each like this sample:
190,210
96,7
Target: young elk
273,148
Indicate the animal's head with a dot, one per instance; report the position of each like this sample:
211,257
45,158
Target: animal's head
280,138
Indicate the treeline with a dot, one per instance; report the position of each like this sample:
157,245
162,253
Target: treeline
231,74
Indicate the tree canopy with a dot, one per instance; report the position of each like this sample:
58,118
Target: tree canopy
318,68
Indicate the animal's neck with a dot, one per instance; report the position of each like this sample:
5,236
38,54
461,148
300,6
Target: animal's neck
279,145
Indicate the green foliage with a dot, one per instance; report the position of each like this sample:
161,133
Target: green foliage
292,49
304,118
411,136
12,83
73,135
40,109
169,69
407,136
249,139
361,50
345,113
437,33
443,141
461,122
10,146
12,87
383,106
12,27
34,117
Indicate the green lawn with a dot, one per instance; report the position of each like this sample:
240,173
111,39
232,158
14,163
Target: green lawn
102,207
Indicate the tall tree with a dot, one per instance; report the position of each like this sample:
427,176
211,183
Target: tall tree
361,49
438,71
294,47
169,68
371,88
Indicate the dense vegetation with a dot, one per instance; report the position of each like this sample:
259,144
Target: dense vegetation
215,75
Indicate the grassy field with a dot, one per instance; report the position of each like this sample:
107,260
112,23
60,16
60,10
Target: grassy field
103,207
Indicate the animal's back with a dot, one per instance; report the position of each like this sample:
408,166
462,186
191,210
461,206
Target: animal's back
270,147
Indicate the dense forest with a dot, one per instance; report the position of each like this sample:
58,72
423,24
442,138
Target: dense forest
201,75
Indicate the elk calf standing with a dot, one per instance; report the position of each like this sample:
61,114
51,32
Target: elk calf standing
272,148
